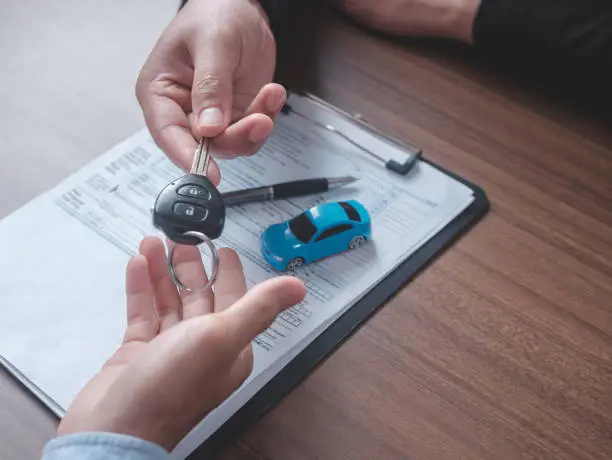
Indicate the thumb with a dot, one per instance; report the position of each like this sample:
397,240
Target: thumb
258,308
211,95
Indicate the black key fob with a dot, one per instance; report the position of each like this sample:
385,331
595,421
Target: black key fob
190,203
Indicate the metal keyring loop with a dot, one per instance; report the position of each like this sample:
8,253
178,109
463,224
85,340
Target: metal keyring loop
215,263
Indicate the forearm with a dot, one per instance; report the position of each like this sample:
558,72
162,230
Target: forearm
275,10
102,446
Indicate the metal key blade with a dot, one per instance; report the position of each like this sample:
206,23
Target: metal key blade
201,158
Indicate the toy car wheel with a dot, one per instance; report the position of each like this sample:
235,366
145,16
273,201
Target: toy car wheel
295,264
356,242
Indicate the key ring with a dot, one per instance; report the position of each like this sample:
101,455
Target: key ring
215,263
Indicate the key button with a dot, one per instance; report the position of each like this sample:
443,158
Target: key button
190,211
194,191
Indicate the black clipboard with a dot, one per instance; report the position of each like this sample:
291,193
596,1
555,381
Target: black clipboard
342,328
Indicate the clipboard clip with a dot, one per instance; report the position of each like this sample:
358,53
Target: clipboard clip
397,167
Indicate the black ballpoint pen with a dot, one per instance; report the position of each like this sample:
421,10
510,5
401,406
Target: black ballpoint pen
285,190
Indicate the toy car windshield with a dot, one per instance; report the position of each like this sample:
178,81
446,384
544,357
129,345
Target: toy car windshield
302,227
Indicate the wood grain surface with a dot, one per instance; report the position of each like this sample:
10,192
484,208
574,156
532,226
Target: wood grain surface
501,349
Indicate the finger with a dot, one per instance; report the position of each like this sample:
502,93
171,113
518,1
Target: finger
230,285
164,95
190,271
257,310
170,129
142,322
168,125
167,300
248,134
269,101
211,94
241,368
245,137
165,104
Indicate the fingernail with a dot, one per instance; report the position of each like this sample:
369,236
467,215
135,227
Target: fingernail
258,133
274,102
211,117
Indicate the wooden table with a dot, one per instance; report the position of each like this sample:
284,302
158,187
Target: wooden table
500,349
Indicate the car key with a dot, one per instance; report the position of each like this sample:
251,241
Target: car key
191,203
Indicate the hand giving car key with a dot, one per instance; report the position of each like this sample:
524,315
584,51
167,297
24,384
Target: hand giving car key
190,210
191,203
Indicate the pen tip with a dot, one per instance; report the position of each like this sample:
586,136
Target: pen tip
340,181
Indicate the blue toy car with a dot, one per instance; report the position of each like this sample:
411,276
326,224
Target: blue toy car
319,232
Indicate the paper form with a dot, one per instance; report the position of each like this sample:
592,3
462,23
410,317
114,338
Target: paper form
63,298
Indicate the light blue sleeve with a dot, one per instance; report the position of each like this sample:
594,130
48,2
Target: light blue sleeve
102,446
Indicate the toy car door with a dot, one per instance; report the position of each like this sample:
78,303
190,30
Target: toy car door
331,241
